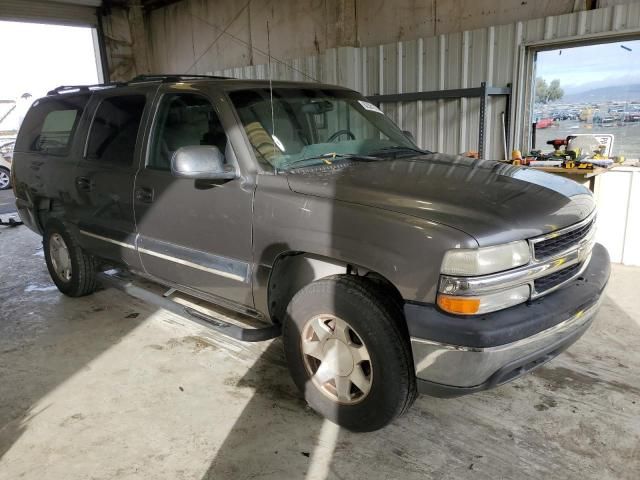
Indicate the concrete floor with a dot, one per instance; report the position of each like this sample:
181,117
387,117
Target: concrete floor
7,202
106,387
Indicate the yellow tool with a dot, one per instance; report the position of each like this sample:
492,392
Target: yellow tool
516,155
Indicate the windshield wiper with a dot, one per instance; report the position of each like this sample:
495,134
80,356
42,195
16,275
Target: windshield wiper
398,149
329,158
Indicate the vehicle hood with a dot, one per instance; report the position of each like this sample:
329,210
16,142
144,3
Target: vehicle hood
493,202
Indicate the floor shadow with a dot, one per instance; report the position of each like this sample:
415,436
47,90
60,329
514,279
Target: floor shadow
275,424
45,337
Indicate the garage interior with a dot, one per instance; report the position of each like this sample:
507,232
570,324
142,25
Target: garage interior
112,386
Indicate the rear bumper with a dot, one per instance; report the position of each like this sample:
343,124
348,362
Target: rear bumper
505,345
27,215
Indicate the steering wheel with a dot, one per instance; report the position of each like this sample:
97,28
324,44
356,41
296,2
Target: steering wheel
339,133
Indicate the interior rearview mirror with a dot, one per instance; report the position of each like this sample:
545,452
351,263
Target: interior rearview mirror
316,107
409,135
201,162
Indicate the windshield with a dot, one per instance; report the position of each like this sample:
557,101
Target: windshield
306,126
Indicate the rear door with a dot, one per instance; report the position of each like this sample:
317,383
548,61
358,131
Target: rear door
105,175
45,153
193,233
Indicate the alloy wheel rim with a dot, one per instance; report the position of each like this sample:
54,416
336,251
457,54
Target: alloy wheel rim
60,258
336,359
4,179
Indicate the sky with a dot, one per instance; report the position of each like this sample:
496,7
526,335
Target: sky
595,66
36,58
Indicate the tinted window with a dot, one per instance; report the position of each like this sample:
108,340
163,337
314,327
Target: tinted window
49,125
184,119
115,129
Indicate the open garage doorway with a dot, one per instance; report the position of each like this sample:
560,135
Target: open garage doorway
36,58
589,89
39,57
583,115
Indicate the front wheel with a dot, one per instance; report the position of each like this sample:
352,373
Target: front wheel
348,354
71,268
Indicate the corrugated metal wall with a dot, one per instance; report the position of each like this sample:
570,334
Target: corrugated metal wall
49,12
494,55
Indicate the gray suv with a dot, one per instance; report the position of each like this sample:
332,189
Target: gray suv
389,270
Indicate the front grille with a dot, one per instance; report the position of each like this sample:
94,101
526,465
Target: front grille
543,284
552,246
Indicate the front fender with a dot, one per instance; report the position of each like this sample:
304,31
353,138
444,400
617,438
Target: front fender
406,250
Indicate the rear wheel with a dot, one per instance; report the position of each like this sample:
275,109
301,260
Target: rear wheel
71,268
5,178
348,354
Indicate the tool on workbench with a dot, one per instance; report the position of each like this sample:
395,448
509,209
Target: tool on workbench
516,157
556,143
532,157
546,163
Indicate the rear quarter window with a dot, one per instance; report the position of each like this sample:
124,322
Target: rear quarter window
50,124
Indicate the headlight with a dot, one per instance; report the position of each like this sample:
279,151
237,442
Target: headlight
490,302
482,261
458,265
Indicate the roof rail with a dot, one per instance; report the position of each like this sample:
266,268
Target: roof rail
172,77
83,88
159,77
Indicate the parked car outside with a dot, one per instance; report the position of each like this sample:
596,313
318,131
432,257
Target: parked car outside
391,270
632,116
6,156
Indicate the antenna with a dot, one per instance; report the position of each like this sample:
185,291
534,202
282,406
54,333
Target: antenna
273,123
224,32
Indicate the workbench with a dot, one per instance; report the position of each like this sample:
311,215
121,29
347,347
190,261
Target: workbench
580,175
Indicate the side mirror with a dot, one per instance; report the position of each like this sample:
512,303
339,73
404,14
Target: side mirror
200,162
409,135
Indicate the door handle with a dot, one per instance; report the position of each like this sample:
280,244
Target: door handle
84,184
144,194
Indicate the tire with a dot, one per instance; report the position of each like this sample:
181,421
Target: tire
73,271
5,179
372,321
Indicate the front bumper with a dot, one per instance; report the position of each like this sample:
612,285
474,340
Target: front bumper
454,356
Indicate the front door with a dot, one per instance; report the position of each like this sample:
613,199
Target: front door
193,233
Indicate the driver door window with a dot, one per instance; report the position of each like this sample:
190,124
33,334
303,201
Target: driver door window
191,233
184,119
343,123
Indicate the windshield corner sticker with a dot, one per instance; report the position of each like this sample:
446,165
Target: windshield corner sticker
370,106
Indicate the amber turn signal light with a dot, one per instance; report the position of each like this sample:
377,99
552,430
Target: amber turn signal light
459,305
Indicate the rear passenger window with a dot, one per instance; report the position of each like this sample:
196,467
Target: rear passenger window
114,130
50,124
56,130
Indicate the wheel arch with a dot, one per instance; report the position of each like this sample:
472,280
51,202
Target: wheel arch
46,209
292,271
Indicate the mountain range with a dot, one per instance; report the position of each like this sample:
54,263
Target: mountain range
616,93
